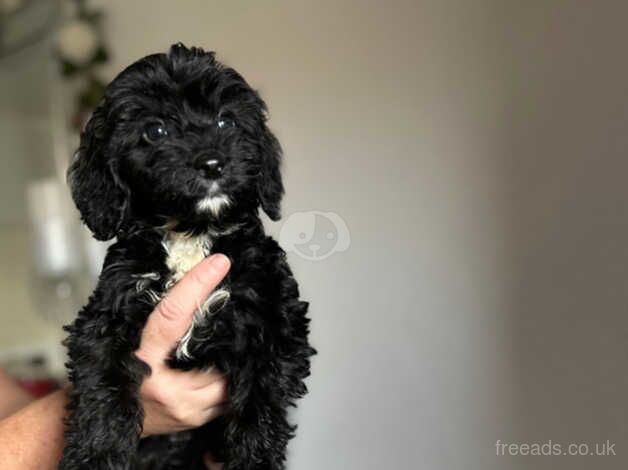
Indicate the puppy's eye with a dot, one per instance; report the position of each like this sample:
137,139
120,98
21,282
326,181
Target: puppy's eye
155,132
225,123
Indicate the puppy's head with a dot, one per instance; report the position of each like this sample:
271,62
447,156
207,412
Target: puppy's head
178,137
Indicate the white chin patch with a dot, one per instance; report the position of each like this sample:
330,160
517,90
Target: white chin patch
213,204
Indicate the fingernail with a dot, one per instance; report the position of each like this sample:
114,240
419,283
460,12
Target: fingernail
219,261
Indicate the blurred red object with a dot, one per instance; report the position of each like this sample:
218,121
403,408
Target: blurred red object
38,387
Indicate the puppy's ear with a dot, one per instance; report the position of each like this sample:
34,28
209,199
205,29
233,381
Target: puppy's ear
98,193
270,184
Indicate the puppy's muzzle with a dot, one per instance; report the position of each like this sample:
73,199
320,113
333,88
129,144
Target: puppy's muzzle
210,164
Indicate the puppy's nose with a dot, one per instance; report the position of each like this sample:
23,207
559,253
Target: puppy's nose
209,165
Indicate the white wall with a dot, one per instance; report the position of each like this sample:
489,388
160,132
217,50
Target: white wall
476,151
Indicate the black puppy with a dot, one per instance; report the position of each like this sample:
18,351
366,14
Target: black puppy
175,163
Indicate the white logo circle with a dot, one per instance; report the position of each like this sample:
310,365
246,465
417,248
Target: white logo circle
314,235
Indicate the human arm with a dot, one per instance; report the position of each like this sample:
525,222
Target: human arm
173,400
12,397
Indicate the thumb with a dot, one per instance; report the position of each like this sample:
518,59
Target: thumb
173,315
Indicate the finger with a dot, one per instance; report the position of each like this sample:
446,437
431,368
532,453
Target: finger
214,394
173,315
215,411
202,379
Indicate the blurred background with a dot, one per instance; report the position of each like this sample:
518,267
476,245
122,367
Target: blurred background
458,169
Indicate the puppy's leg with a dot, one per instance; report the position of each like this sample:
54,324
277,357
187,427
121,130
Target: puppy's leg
261,389
272,379
257,431
167,452
105,414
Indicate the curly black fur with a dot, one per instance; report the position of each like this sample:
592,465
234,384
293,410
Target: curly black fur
140,174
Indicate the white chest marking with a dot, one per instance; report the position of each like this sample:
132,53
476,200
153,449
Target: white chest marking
183,252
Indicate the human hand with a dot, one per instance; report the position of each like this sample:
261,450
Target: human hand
176,400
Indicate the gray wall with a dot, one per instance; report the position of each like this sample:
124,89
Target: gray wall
477,153
25,154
